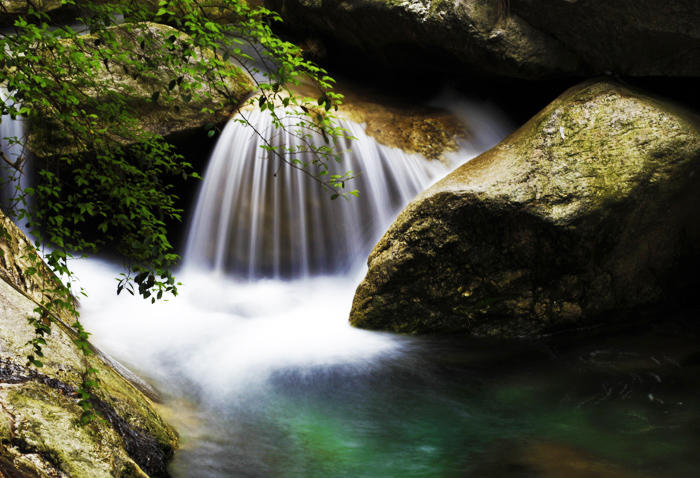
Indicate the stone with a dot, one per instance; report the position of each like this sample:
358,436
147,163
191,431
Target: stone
531,39
18,7
585,212
625,37
40,434
430,131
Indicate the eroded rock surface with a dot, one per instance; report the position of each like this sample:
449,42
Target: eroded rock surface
589,208
432,132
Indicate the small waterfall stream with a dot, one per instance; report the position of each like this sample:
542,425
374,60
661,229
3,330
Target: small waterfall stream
271,265
11,144
258,219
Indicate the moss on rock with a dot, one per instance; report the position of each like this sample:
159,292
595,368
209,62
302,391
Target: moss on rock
18,7
587,209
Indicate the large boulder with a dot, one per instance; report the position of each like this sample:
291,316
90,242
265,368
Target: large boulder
587,210
510,38
40,431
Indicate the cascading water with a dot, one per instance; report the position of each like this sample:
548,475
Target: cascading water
270,251
232,342
256,218
12,133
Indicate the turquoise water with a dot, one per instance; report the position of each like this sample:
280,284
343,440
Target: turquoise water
624,405
269,380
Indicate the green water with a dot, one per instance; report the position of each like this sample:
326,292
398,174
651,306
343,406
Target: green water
616,404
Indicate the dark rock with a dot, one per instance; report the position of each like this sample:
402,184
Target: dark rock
589,208
531,39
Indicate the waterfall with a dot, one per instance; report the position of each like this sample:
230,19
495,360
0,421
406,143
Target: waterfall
273,365
257,218
11,144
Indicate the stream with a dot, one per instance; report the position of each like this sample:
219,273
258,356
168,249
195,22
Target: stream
264,377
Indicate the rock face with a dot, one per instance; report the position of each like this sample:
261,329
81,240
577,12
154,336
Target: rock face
39,410
510,38
589,208
625,37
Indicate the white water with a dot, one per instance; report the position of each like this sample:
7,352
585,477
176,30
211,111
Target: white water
226,338
258,218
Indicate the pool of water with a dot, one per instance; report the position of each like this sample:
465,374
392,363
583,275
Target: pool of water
267,379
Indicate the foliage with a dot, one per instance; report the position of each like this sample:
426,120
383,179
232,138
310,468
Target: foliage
103,178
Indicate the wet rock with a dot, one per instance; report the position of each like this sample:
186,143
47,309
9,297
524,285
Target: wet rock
40,433
432,132
395,121
585,212
516,38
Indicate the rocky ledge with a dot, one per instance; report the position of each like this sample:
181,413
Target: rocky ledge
531,39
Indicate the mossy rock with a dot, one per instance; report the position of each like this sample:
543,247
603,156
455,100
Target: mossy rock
587,211
174,120
19,7
39,411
